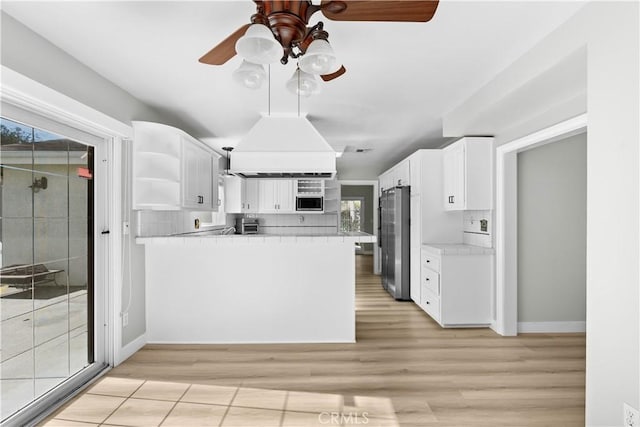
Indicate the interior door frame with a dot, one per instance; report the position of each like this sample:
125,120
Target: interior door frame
376,202
506,321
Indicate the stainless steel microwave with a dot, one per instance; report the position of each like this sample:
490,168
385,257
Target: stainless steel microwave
309,204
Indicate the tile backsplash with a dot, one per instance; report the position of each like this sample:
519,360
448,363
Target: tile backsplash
165,223
473,231
298,223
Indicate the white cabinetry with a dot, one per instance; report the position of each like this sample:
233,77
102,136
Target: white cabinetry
397,176
275,196
251,202
402,174
468,174
197,177
234,194
455,288
241,195
172,170
156,167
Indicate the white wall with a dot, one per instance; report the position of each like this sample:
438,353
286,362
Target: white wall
600,42
552,232
32,56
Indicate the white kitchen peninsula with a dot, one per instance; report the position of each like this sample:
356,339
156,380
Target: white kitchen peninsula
251,288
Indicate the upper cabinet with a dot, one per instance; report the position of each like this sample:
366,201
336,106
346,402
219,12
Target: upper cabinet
402,174
197,177
468,174
171,170
397,176
275,196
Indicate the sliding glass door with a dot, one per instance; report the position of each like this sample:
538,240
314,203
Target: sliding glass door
47,292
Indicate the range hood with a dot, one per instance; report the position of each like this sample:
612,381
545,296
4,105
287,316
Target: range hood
283,146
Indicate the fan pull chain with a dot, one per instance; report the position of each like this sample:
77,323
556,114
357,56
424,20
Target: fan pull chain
269,91
298,74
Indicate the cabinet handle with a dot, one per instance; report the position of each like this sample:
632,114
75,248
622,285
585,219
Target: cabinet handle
427,279
428,260
453,199
428,302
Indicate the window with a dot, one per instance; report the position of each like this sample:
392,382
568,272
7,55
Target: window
351,215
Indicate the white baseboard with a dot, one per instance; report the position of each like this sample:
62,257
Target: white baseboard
130,349
552,327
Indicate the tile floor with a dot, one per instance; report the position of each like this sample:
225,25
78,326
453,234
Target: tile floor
117,401
43,343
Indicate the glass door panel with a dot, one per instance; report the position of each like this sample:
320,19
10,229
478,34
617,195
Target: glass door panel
46,229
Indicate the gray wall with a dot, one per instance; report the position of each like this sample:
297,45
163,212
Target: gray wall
365,191
33,56
552,231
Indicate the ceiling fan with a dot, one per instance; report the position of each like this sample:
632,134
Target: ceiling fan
280,30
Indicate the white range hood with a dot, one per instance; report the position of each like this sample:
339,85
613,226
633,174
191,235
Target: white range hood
283,146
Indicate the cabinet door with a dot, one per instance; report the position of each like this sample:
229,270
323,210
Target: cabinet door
233,194
205,181
454,177
267,196
251,196
402,176
285,196
190,163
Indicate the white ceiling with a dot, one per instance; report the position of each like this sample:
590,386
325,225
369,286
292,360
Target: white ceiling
401,79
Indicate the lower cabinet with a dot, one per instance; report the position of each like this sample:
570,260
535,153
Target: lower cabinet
455,285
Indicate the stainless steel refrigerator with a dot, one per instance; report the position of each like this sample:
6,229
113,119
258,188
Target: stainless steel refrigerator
394,241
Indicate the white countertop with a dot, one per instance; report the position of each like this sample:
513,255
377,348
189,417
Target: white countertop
195,238
457,249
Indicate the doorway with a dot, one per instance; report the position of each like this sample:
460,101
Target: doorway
506,301
50,339
552,236
358,200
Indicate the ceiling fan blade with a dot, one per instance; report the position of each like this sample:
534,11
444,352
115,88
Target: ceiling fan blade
225,50
329,77
379,10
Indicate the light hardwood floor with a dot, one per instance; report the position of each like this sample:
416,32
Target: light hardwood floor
404,370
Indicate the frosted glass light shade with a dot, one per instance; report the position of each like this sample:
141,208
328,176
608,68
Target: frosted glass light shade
258,45
303,84
319,58
250,75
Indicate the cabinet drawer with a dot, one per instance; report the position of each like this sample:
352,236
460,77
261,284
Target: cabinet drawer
431,304
431,281
431,261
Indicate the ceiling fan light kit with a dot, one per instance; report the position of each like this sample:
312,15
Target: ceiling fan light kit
250,75
319,58
279,30
258,45
303,83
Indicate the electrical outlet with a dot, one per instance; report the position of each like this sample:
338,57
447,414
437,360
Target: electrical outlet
125,319
631,416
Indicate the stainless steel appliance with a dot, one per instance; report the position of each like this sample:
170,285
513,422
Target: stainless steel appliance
394,242
247,225
309,204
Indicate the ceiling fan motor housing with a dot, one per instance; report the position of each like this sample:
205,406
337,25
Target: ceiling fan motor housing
288,21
